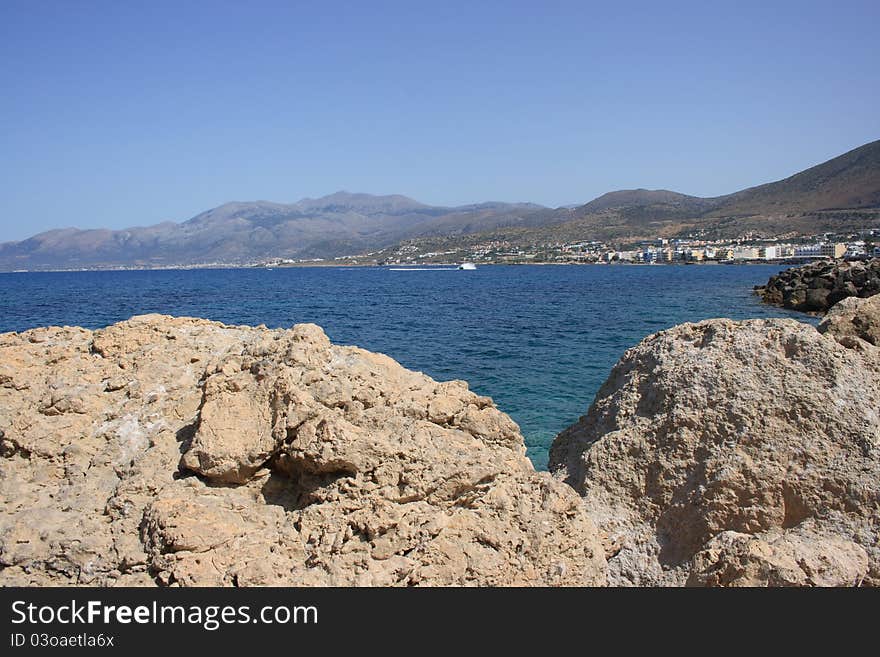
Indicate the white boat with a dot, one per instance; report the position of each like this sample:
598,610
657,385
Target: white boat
467,265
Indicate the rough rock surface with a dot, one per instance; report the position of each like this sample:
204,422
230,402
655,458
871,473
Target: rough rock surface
179,451
795,557
818,286
852,320
737,453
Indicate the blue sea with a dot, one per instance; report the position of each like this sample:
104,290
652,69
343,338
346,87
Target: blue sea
539,340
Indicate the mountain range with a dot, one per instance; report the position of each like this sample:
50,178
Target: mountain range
839,194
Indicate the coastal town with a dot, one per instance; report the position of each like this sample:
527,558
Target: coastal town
793,249
855,245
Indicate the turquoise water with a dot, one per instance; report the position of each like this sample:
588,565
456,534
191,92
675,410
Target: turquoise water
539,340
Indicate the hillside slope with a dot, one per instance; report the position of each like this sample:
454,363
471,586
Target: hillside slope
838,195
850,181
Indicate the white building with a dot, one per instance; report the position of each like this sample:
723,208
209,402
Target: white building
746,253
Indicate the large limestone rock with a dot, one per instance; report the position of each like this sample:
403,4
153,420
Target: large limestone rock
737,453
179,451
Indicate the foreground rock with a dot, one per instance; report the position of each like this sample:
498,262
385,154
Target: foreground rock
816,287
178,451
738,453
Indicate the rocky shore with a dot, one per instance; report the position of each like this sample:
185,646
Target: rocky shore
167,451
817,286
177,451
738,454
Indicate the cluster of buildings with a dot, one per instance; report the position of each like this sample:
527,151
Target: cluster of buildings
862,244
688,253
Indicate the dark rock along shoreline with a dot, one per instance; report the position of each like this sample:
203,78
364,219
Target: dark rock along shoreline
816,287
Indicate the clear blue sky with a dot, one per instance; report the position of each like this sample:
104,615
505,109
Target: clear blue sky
129,113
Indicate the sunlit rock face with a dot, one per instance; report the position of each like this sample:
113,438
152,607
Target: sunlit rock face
737,453
178,451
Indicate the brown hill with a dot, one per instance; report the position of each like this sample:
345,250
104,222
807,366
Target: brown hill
841,194
850,181
835,195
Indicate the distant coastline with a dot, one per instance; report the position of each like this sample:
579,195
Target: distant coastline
431,265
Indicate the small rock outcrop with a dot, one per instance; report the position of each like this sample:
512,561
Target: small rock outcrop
178,451
818,286
737,454
852,320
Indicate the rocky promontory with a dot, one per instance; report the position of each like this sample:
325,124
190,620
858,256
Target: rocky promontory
168,451
738,454
178,451
817,286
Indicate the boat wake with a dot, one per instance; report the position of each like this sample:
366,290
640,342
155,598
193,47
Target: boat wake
464,265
